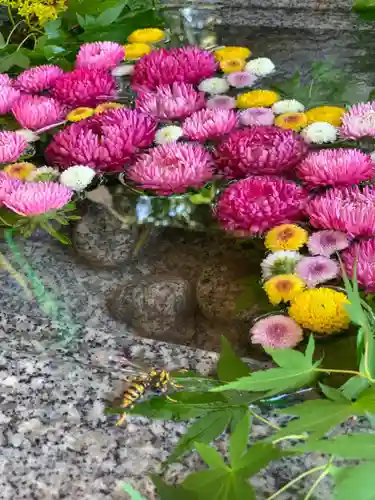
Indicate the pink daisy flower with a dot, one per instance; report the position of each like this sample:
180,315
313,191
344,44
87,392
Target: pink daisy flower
100,55
362,255
336,167
359,121
259,150
221,102
315,270
254,205
327,242
37,198
209,124
35,80
276,332
37,112
171,102
257,116
12,146
5,80
84,87
172,168
241,79
7,185
8,96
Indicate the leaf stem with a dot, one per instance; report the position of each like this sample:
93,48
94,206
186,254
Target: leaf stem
292,436
295,480
10,15
5,264
331,370
24,40
319,479
264,420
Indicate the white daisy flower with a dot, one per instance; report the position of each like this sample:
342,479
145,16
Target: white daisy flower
319,133
27,134
77,177
171,133
214,85
123,70
43,174
281,262
262,66
288,106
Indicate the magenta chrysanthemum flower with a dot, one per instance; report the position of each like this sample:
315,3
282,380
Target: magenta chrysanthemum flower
8,96
37,198
171,102
361,255
359,121
209,124
257,204
350,210
221,102
7,185
276,332
315,270
257,116
35,80
100,55
5,80
172,168
259,150
37,112
327,242
336,167
159,67
105,142
12,146
84,87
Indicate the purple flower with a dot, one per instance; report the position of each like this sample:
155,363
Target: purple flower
276,332
316,270
327,242
257,116
241,79
221,102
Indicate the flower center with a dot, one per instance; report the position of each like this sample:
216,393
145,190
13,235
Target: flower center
284,286
318,268
286,234
277,331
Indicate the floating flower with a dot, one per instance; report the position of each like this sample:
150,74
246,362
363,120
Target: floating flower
5,80
171,133
283,288
172,168
147,35
159,67
257,116
319,133
329,114
35,80
27,134
286,237
336,167
20,170
123,70
316,270
288,106
37,112
359,260
327,242
256,204
79,114
214,86
232,65
209,124
292,121
77,177
321,310
276,332
221,102
171,102
259,150
135,51
12,146
100,55
359,121
84,87
107,106
280,262
230,53
8,96
257,99
262,66
43,174
241,79
7,185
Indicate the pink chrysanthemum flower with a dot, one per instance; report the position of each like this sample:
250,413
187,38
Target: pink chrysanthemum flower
256,204
350,210
37,198
37,112
327,242
7,185
259,150
105,142
276,332
100,55
316,270
159,67
241,79
84,87
8,96
359,121
336,167
35,80
171,102
5,80
172,168
12,146
221,102
361,255
257,116
209,124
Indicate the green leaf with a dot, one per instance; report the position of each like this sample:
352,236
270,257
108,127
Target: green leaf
355,483
356,446
52,28
310,348
109,16
238,441
354,387
168,492
133,494
17,58
237,416
211,456
218,484
257,457
2,41
287,358
333,394
364,5
230,367
365,402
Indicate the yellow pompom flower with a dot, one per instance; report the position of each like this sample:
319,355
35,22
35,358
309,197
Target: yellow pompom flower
321,310
136,50
283,288
232,65
106,106
292,121
257,99
286,237
79,114
147,35
230,53
20,170
329,114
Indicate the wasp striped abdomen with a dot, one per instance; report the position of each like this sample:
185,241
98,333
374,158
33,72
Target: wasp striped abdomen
132,394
